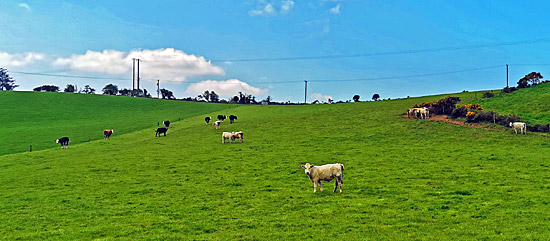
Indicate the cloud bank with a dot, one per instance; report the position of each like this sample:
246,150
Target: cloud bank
225,88
320,97
165,64
19,59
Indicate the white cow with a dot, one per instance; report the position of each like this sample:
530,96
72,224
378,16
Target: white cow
325,173
228,135
519,125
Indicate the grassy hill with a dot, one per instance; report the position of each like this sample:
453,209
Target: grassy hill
404,179
532,104
38,119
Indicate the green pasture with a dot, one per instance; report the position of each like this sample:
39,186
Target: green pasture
404,179
531,104
38,119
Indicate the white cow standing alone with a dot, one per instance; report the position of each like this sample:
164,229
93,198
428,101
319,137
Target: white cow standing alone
325,173
228,135
519,125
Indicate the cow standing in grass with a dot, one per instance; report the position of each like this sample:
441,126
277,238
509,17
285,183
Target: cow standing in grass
239,135
222,117
232,119
325,173
519,125
217,124
207,119
64,141
161,130
107,133
228,135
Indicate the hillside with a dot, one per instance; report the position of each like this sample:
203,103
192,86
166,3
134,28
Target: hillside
532,104
404,179
38,119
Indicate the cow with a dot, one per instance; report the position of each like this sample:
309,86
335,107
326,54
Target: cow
519,125
325,173
207,119
107,133
64,141
161,130
232,119
222,117
228,135
239,135
217,124
166,124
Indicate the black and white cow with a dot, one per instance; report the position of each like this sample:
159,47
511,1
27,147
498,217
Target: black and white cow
222,117
161,130
232,119
64,141
207,119
166,124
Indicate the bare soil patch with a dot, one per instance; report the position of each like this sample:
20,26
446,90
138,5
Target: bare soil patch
444,118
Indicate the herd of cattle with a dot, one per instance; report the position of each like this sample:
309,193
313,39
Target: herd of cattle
316,174
424,113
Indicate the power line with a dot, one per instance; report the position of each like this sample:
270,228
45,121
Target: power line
407,76
414,51
285,82
66,76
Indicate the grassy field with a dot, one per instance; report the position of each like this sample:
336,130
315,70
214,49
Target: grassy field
532,104
404,179
38,119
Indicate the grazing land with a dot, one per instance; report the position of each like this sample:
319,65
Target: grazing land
531,104
403,179
38,119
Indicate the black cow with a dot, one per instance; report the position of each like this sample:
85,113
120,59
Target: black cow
64,141
161,130
222,117
166,123
207,119
232,119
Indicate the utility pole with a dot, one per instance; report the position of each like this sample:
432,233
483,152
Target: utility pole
133,74
138,60
158,89
305,95
507,76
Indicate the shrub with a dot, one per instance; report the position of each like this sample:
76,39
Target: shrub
488,95
508,90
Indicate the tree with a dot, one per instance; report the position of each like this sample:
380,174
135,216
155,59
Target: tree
125,92
166,94
6,82
70,88
88,90
330,100
375,97
356,98
47,88
214,97
110,89
235,99
532,78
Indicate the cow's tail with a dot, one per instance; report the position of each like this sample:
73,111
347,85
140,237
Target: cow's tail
342,175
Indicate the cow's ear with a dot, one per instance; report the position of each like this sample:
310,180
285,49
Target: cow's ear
303,167
312,166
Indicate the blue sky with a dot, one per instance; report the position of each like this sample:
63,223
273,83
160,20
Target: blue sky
187,45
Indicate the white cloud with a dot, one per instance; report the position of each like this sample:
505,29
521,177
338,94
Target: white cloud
225,88
320,97
165,64
25,6
335,10
286,6
269,8
19,59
